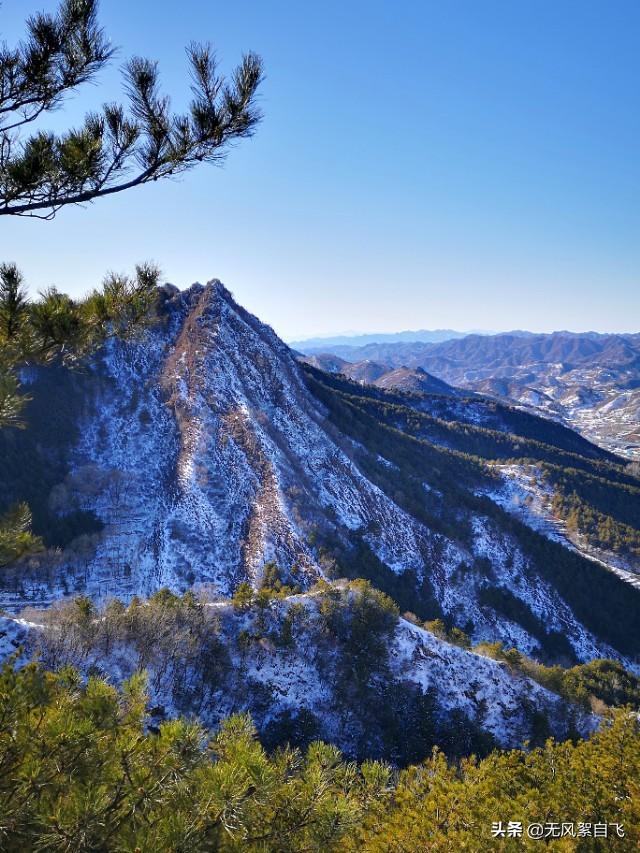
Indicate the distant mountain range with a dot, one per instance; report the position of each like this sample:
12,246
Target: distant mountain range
588,381
381,375
360,340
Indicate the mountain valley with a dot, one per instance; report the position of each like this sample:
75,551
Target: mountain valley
590,382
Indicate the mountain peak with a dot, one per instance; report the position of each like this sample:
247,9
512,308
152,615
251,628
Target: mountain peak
219,289
205,451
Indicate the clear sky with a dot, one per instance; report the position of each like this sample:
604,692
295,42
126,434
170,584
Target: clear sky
458,163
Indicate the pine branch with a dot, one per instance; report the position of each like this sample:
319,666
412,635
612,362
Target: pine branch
61,52
118,148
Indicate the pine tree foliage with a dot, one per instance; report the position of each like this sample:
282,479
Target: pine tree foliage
79,770
55,326
16,538
60,52
119,147
13,310
12,401
13,302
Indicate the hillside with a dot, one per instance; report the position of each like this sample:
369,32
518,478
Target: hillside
588,381
116,781
374,373
336,662
202,453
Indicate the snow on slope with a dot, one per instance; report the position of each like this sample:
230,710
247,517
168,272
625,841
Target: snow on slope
593,400
525,493
206,455
469,681
301,676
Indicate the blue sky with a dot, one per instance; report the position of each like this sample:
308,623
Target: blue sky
465,164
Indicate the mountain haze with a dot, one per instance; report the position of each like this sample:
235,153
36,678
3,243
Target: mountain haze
320,344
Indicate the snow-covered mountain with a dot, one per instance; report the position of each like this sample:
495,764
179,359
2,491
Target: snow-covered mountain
204,454
590,382
373,373
203,450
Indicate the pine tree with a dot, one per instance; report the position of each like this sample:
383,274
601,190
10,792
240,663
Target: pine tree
13,302
243,596
118,148
16,538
